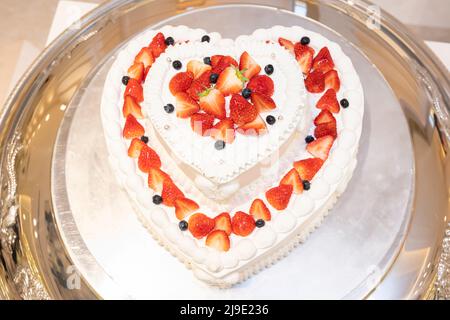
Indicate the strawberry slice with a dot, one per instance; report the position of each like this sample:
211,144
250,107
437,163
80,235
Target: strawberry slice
256,127
184,207
223,222
185,105
293,178
304,56
242,111
156,178
315,82
136,71
308,168
135,148
222,64
131,107
181,82
329,101
259,210
261,84
287,44
148,158
323,61
242,224
199,85
326,129
200,225
212,102
279,197
230,81
332,80
158,45
218,240
248,66
224,130
197,68
262,102
132,128
170,193
201,123
215,60
134,89
145,57
320,147
324,116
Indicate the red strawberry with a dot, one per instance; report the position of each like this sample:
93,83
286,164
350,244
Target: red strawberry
287,44
262,102
323,61
136,71
315,82
170,193
320,147
148,158
230,81
279,197
134,89
184,207
201,123
185,105
135,148
156,178
308,168
218,240
131,107
242,224
132,128
158,44
224,130
181,82
324,116
248,66
242,111
145,57
222,64
259,210
254,128
199,85
293,178
304,56
329,102
261,84
200,225
223,222
332,80
325,129
215,60
212,102
197,68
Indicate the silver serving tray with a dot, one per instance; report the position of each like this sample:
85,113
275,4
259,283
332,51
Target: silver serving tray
68,231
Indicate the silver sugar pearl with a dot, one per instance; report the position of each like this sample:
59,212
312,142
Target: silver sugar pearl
169,60
273,55
280,117
166,127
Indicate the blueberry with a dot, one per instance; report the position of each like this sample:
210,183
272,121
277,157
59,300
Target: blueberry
219,145
169,41
157,199
169,108
206,38
213,77
246,93
260,223
125,80
270,119
344,103
177,64
268,69
305,41
144,139
183,225
207,60
309,139
306,185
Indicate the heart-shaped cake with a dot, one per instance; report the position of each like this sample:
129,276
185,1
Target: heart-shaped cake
233,151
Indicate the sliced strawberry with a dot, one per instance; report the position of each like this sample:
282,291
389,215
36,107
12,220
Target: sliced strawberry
329,101
308,168
170,193
200,225
242,111
248,66
197,68
320,147
293,178
185,105
132,128
242,224
325,129
184,207
156,178
145,57
287,44
218,240
201,123
332,80
261,84
181,82
262,102
230,81
136,71
259,210
323,61
130,106
135,148
315,82
134,89
148,158
158,45
324,116
212,102
223,222
215,60
256,127
279,197
146,70
222,64
199,85
224,130
304,56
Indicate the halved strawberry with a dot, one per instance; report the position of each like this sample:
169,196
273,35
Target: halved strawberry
224,130
145,57
222,64
197,68
304,56
315,82
184,207
308,168
320,147
136,71
329,101
215,60
158,45
134,89
148,158
262,102
201,123
325,129
185,105
212,101
293,178
259,210
131,107
218,240
156,178
279,197
287,44
248,66
134,150
256,127
324,116
323,61
181,82
242,111
199,85
261,84
223,222
200,225
230,81
242,224
170,193
132,128
332,80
